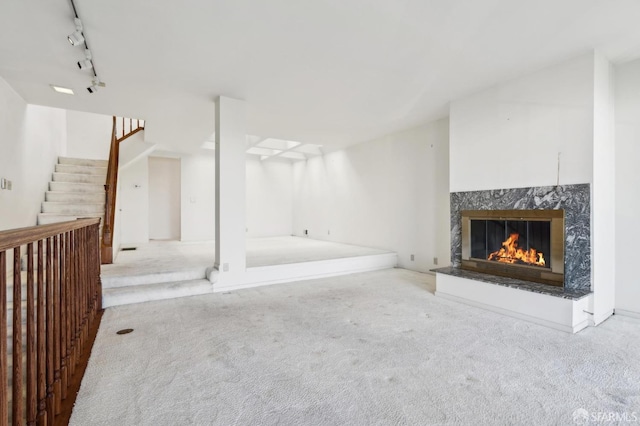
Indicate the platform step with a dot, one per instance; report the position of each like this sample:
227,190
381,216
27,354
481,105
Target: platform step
76,187
157,278
83,162
146,293
85,170
75,197
73,208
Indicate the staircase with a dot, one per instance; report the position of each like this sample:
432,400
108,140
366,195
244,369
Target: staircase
76,191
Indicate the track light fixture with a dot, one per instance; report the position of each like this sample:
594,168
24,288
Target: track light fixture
86,63
76,38
95,84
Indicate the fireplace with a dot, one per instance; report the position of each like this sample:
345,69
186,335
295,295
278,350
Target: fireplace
523,244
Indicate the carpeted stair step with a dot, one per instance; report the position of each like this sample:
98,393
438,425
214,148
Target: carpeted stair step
158,278
24,372
72,168
10,313
76,187
75,197
23,277
145,293
83,162
73,208
10,339
79,178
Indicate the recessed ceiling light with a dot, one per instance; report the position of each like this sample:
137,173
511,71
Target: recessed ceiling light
263,151
60,89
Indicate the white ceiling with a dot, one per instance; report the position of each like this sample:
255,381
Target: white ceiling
330,72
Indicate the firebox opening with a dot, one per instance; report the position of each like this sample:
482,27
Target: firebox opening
513,242
524,244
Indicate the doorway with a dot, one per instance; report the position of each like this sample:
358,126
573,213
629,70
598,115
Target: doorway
164,198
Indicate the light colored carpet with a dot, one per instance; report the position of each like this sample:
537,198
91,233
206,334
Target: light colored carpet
171,256
375,348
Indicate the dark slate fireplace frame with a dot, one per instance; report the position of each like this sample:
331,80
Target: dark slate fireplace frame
575,200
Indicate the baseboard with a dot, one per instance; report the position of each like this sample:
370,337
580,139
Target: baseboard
561,327
627,313
602,318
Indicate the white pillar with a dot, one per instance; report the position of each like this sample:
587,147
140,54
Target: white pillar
230,191
604,198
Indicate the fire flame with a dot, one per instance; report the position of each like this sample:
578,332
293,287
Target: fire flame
511,253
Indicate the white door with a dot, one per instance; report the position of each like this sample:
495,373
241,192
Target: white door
164,198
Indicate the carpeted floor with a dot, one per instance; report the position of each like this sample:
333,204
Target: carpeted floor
375,348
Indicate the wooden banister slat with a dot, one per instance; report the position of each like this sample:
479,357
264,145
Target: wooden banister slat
4,400
32,408
41,333
64,262
45,392
16,401
57,336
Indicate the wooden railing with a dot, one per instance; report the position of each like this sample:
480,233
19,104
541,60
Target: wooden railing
125,127
119,132
63,307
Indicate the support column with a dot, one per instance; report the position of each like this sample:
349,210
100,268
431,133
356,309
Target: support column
604,197
230,191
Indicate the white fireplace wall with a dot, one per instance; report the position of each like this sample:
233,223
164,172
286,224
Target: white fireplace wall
509,135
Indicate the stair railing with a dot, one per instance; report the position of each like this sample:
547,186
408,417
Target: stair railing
120,131
58,267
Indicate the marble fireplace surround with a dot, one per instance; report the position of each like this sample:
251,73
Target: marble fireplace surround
574,199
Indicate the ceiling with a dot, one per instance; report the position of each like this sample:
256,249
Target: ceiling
329,72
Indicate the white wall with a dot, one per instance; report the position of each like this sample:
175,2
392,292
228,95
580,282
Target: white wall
269,195
269,198
509,136
132,208
627,175
198,198
164,198
391,193
31,139
88,135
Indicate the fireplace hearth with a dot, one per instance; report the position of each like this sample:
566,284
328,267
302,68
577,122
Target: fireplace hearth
522,244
